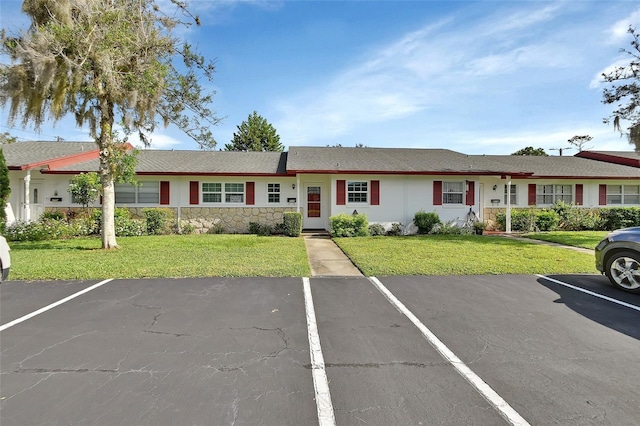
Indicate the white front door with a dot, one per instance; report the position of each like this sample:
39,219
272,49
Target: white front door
36,202
313,208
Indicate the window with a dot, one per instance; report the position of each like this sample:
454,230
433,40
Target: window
217,192
234,192
273,192
452,192
513,195
143,193
211,192
357,192
549,194
623,194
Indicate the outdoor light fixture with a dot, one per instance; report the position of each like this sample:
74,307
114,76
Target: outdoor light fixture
495,187
293,186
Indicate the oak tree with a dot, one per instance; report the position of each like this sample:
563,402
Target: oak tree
108,63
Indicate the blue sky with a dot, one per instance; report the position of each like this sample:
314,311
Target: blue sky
487,77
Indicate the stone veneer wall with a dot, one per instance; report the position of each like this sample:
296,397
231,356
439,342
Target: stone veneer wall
232,219
228,219
489,217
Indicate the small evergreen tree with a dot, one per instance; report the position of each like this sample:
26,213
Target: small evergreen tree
85,188
255,134
5,190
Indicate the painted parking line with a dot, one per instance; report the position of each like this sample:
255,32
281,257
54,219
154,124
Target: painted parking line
505,410
592,293
326,415
53,305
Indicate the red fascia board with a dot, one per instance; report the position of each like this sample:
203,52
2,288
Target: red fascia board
580,177
74,172
67,160
386,172
609,158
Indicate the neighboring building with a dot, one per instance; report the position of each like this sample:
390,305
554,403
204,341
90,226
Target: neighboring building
231,189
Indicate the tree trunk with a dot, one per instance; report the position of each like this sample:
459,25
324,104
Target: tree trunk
105,142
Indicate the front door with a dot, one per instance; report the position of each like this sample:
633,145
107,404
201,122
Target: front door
36,205
313,209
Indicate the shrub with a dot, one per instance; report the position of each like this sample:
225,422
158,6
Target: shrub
260,229
425,221
158,220
125,226
344,225
522,220
217,228
574,218
619,217
292,224
184,228
396,229
376,229
547,220
52,215
446,229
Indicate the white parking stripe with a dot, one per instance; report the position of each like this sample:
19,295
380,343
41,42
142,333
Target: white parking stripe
601,296
320,383
505,410
53,305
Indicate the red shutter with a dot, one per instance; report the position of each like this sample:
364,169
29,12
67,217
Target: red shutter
341,193
164,192
437,192
602,195
375,192
251,193
194,192
579,194
471,192
532,194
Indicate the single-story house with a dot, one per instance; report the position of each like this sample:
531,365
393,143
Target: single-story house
389,185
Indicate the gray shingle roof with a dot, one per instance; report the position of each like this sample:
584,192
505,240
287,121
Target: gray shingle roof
385,160
20,154
565,167
200,162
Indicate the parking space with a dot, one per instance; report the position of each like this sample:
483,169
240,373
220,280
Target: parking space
236,351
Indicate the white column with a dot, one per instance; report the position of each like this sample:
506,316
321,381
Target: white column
26,215
508,224
298,192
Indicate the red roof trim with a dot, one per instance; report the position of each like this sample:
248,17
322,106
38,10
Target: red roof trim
67,160
75,172
607,158
386,172
578,177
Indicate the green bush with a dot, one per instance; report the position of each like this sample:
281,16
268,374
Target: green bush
260,229
619,217
344,225
376,229
547,220
396,229
425,221
217,228
446,229
52,215
522,220
573,218
292,224
158,220
124,225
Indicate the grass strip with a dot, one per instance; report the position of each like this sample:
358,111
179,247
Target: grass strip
460,255
160,256
584,239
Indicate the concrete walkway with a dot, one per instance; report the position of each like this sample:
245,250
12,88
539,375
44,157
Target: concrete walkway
326,258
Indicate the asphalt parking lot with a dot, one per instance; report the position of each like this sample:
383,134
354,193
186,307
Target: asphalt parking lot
555,350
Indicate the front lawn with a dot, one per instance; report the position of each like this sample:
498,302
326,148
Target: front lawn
460,255
160,256
584,239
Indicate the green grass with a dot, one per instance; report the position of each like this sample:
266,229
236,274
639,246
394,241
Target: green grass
584,239
460,255
160,256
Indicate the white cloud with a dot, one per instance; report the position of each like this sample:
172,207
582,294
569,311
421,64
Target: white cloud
618,32
426,68
597,80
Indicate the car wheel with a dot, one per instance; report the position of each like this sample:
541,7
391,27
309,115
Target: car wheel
623,270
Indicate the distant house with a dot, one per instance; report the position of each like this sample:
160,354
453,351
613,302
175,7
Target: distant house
231,189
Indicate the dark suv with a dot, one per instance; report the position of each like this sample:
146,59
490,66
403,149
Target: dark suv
618,257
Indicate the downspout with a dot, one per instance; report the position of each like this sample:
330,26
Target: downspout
297,193
27,192
508,218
